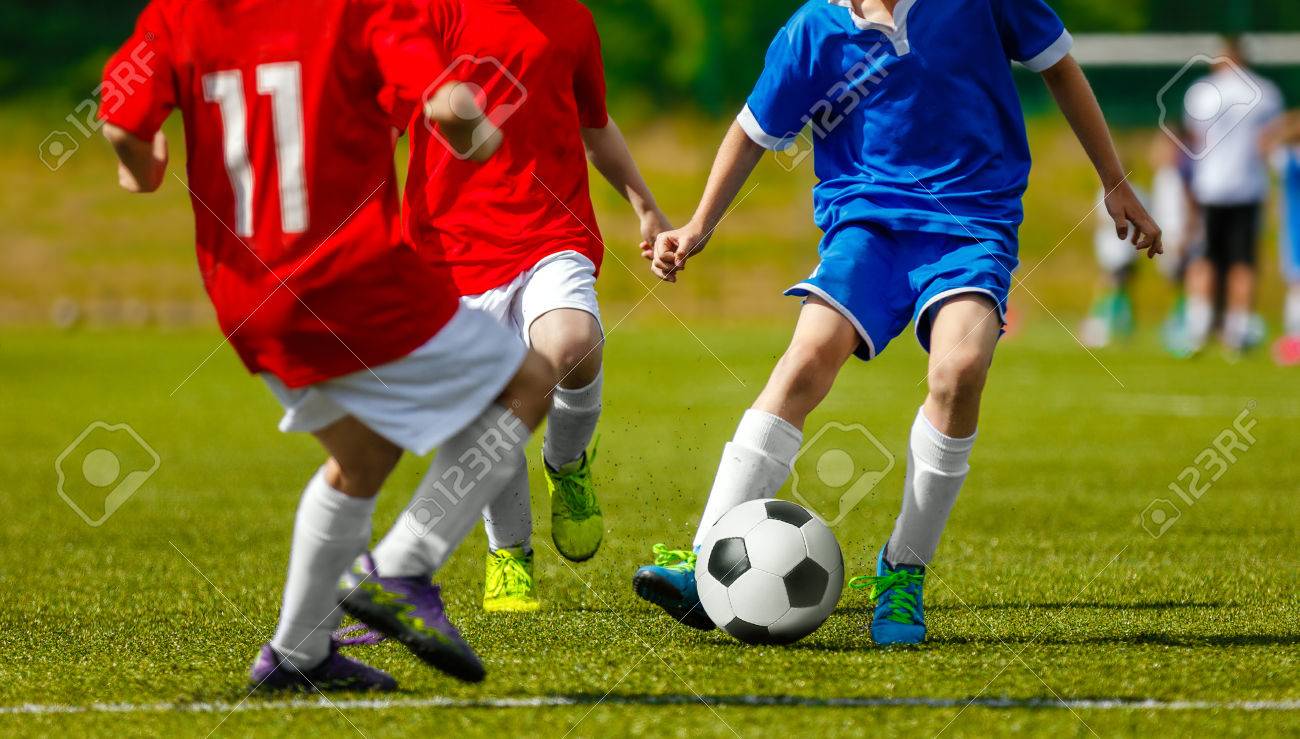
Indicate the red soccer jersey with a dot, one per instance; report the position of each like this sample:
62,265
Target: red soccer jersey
289,112
538,62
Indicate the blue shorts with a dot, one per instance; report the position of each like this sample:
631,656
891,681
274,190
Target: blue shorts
881,279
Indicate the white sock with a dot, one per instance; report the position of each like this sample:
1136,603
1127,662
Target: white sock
936,467
330,530
755,464
571,422
508,519
1200,318
469,471
1235,326
1291,316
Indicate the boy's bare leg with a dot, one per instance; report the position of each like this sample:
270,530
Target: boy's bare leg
331,528
1202,282
1240,293
962,340
469,471
758,459
571,341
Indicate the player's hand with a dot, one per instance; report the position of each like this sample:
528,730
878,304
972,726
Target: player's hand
153,168
1132,222
456,110
673,248
652,224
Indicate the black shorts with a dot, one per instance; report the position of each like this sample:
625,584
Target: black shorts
1232,234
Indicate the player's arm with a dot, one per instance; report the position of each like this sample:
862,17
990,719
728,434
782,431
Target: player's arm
608,153
141,165
458,115
1074,96
736,159
137,95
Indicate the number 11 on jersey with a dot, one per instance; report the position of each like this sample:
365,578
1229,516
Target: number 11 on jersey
282,82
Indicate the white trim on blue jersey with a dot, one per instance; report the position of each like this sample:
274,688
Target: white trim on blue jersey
1047,58
917,126
755,131
897,33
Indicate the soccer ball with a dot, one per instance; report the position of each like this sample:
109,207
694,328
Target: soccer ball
769,572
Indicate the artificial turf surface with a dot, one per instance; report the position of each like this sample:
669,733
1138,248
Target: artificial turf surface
1046,585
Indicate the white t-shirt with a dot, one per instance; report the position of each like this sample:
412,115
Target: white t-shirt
1226,112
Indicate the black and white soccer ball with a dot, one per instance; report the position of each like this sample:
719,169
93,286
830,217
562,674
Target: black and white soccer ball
769,572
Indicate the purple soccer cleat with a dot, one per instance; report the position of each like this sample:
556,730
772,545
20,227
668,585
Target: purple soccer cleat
410,610
270,674
357,635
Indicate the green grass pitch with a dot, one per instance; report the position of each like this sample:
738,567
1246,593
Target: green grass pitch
1047,587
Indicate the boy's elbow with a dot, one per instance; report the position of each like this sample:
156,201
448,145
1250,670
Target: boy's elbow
118,136
739,138
1064,68
146,187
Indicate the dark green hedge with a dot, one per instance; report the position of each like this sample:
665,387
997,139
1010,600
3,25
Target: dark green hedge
661,54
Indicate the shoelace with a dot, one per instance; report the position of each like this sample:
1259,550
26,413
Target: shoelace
511,577
575,489
682,560
902,605
363,636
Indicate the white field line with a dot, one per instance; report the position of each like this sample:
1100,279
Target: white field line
548,701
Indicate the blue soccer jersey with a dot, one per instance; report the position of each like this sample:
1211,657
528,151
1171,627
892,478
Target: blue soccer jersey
917,127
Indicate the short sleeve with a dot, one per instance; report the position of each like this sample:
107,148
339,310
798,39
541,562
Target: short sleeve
407,40
778,108
139,87
1032,33
589,81
1272,103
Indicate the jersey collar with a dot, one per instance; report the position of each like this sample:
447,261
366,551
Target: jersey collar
896,35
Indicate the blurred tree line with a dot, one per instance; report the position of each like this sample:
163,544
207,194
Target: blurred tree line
677,54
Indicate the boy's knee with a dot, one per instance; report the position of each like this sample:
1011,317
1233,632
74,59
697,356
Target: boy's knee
362,472
808,369
577,360
958,377
570,339
528,395
537,374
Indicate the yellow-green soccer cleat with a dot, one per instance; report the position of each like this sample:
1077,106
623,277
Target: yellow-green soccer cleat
576,523
508,586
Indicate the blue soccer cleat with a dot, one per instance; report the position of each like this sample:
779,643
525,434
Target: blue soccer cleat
670,584
899,617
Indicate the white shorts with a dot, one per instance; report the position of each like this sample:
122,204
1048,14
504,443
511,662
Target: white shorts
565,279
421,400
